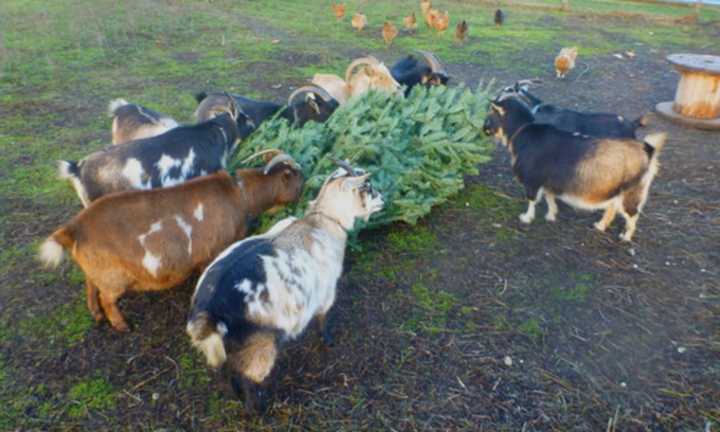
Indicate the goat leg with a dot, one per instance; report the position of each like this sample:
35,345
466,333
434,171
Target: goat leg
324,330
92,301
108,301
255,395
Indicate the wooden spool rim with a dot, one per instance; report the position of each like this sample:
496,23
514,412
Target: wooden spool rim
708,64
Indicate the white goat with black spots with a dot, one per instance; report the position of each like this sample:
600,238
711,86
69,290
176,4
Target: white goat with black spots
267,288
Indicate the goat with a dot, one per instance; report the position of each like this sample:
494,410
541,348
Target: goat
373,75
304,104
162,161
154,240
267,288
133,122
410,71
585,172
596,124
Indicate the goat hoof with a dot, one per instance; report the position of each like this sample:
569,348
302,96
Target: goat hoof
97,316
526,219
121,327
600,227
625,237
550,218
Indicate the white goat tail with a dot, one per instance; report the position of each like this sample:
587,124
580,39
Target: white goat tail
51,253
66,170
207,339
115,104
656,141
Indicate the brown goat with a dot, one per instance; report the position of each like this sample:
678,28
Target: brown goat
153,240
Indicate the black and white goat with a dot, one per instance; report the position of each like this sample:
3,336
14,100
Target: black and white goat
586,173
161,161
304,104
267,288
596,124
133,122
411,71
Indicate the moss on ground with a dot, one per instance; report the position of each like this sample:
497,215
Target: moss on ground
65,326
580,286
92,395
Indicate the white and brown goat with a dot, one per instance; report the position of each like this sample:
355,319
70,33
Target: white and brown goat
372,75
154,240
133,122
588,173
267,288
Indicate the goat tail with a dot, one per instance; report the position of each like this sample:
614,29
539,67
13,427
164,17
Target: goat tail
67,170
654,143
639,122
200,96
116,104
206,337
52,250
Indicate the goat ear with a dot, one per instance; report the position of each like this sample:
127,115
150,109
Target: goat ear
355,182
312,102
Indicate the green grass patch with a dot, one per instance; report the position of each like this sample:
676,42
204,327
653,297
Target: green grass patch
416,240
91,395
431,309
580,286
67,325
193,371
531,328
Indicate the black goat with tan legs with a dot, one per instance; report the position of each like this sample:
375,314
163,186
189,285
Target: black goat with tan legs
586,173
304,104
595,124
411,71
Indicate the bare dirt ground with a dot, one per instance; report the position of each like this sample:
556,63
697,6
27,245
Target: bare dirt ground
469,321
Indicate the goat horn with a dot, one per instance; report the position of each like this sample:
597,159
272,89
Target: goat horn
433,62
260,153
369,60
280,158
310,88
344,165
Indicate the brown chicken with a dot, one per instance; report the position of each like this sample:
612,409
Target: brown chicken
439,20
359,21
425,7
461,31
339,9
565,61
410,22
389,32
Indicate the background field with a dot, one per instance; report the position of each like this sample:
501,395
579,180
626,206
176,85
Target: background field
599,333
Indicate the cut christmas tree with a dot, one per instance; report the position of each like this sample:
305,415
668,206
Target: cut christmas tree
418,148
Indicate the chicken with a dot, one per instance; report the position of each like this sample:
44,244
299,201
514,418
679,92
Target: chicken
425,7
565,61
389,32
410,22
439,20
499,17
339,9
461,31
359,21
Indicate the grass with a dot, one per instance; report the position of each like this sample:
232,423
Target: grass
581,285
61,62
65,326
92,395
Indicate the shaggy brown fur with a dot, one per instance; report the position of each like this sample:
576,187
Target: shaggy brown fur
154,240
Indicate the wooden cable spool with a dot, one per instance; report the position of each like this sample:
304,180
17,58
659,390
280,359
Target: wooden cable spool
697,99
